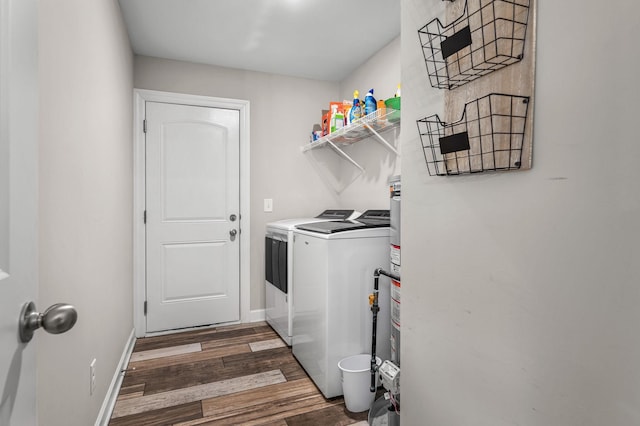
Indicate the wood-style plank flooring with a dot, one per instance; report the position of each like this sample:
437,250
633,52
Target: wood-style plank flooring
234,375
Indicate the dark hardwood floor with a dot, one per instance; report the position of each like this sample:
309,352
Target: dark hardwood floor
235,375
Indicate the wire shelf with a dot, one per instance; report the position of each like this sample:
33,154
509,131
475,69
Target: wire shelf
379,121
489,35
488,137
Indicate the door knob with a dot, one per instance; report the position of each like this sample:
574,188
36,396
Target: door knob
56,319
233,234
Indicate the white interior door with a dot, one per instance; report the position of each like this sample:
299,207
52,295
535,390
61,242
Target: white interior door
192,214
18,205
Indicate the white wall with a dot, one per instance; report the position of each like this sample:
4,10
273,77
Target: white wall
520,289
370,190
380,72
85,208
283,112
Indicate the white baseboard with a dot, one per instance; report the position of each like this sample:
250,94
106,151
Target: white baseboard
114,388
257,315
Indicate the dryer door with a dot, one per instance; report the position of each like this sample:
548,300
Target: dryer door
275,262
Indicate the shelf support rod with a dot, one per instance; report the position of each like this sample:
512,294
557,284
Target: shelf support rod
344,154
382,140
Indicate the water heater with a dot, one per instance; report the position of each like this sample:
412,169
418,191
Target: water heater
394,240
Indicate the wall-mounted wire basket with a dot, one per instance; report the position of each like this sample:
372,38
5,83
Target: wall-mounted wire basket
488,137
489,35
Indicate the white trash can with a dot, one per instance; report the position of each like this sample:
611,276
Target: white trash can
356,380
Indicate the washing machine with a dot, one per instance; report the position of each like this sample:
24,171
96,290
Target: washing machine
333,272
279,266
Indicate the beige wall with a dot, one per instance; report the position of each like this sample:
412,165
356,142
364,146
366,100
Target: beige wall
520,289
370,190
85,208
283,111
380,72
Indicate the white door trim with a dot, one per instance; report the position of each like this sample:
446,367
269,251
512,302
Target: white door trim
139,277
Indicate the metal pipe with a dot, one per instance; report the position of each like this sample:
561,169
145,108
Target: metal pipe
375,308
391,275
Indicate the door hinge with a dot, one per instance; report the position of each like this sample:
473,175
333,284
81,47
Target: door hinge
144,126
145,308
144,217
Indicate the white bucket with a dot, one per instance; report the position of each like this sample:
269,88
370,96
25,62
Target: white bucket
356,381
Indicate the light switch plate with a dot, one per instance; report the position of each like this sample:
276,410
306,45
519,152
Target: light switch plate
268,205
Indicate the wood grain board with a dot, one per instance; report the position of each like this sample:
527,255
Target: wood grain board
515,79
243,375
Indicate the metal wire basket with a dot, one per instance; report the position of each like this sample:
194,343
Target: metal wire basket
488,137
489,35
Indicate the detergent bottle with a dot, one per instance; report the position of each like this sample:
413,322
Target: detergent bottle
370,104
346,109
334,113
356,109
339,119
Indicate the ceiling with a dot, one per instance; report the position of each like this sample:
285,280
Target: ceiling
318,39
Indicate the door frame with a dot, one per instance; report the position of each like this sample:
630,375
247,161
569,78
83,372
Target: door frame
141,96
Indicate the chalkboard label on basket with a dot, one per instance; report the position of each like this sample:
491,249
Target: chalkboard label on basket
454,143
456,42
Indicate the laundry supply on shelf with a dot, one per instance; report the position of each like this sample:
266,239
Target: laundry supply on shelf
394,104
325,122
346,107
370,104
336,117
356,109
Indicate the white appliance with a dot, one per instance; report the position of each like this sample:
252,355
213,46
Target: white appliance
334,266
279,266
395,189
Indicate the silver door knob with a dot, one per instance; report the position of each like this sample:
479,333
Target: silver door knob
233,232
56,319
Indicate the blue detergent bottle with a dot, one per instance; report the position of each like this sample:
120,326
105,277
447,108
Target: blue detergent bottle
355,113
370,104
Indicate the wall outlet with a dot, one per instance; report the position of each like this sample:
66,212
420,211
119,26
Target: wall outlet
92,377
268,205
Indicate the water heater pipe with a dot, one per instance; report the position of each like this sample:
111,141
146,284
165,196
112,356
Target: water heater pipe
375,308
